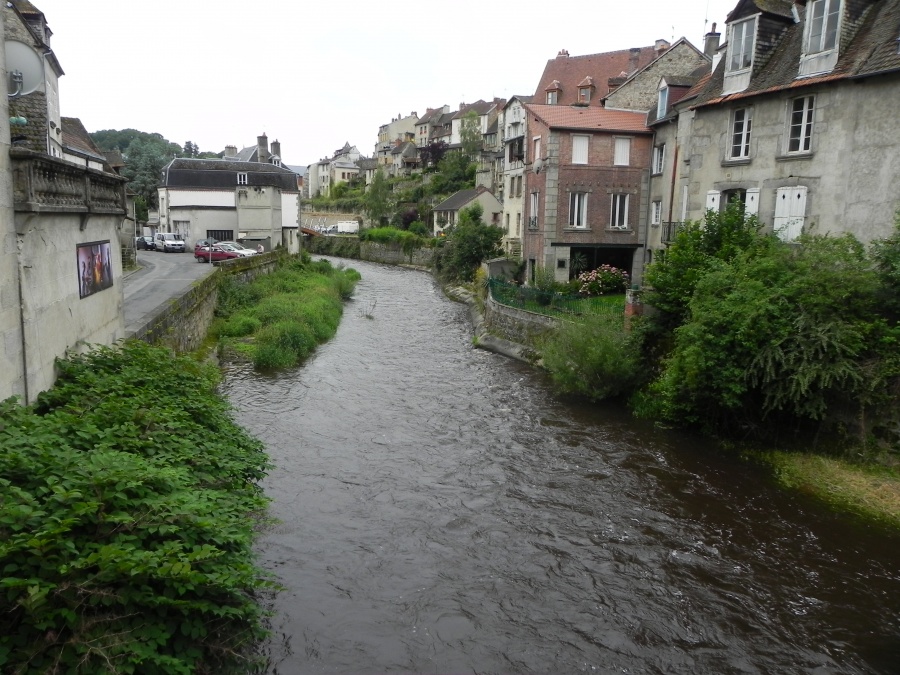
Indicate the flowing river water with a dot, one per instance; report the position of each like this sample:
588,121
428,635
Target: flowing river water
443,511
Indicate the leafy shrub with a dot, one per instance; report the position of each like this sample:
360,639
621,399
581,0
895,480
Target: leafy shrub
593,358
419,228
126,524
467,245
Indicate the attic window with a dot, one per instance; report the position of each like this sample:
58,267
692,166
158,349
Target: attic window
821,37
242,179
663,103
552,97
823,24
740,47
584,94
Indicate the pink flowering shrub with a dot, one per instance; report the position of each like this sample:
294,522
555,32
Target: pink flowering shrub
604,280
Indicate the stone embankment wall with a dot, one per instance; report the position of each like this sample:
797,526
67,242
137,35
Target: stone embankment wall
392,254
516,325
184,322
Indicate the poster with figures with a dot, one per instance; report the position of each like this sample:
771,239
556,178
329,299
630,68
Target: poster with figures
94,268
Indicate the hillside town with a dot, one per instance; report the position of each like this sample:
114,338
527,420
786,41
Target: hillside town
781,110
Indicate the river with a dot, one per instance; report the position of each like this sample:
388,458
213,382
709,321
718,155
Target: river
441,510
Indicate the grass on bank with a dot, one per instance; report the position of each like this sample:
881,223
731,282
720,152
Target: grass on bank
868,490
278,319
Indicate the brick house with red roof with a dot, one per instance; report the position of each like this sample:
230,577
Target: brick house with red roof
586,178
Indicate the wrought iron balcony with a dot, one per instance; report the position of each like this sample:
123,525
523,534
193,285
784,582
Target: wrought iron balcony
668,232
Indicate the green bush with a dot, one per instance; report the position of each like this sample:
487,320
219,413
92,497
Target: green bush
239,326
126,524
595,358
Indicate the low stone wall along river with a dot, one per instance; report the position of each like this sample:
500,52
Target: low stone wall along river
442,511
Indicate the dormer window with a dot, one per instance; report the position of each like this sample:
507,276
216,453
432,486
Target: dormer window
584,95
552,97
242,178
740,47
663,102
823,25
821,37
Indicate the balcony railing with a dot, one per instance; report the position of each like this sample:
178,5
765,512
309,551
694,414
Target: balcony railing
44,184
532,223
668,232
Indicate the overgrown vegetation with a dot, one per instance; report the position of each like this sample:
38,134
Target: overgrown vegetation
129,501
278,319
466,246
784,342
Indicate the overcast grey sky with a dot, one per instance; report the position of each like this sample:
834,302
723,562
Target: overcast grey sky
317,74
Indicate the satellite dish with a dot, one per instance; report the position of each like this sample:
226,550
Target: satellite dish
21,58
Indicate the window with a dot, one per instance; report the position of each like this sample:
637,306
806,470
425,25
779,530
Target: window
537,149
618,218
801,124
662,103
584,94
656,212
740,47
242,179
518,224
623,152
659,158
578,209
823,25
580,149
552,97
533,210
518,186
740,134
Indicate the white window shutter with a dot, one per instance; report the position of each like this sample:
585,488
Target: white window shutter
751,202
712,200
790,212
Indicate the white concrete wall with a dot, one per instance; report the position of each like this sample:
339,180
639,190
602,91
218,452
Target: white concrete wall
56,319
290,209
200,197
200,220
259,214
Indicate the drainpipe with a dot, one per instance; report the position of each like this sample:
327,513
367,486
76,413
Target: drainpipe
22,328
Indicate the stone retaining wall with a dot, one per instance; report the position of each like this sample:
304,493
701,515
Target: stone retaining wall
184,322
392,254
516,325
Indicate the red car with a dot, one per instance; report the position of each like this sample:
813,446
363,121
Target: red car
218,253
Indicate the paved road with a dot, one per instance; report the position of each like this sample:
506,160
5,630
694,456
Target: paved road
162,277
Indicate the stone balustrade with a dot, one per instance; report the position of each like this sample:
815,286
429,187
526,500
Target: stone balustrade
44,184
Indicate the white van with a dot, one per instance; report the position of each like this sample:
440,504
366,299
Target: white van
166,241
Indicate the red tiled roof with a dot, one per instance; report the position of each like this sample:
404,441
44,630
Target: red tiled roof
569,71
589,118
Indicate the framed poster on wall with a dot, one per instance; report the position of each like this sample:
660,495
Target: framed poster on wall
94,268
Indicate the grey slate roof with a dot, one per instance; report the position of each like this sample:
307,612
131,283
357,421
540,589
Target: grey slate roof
222,173
871,51
460,199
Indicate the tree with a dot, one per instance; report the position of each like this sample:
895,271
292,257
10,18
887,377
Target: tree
377,199
191,149
145,156
140,209
469,243
432,154
470,135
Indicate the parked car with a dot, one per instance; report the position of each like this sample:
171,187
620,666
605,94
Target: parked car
205,242
168,241
217,254
239,247
144,243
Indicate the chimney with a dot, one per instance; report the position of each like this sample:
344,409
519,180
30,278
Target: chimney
276,148
711,42
634,59
230,151
262,147
563,53
661,47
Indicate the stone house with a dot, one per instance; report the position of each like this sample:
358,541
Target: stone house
404,159
586,186
446,214
793,121
61,268
400,129
424,127
231,199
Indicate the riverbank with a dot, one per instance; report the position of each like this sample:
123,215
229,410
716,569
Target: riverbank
868,491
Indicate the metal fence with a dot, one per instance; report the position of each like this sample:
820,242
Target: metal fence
555,304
